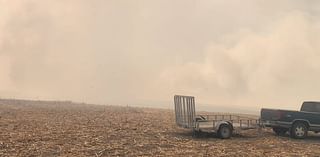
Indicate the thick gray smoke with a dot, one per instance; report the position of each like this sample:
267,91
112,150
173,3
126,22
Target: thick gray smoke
276,66
244,53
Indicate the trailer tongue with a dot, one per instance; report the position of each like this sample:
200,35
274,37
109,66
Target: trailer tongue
222,124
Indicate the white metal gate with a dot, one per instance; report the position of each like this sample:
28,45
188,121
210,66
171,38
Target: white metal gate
185,111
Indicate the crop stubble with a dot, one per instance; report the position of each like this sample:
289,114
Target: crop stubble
42,128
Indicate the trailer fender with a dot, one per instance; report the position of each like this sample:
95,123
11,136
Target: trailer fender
218,124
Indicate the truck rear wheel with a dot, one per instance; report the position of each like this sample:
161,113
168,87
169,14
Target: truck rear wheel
299,130
225,131
279,131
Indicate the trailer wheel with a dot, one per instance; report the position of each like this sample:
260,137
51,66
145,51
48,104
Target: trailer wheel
225,131
299,130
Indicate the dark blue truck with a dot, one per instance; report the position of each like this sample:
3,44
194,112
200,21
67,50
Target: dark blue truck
297,123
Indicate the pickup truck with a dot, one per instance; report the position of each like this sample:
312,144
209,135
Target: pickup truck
297,123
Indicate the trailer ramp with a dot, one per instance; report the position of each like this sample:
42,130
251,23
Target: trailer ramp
185,111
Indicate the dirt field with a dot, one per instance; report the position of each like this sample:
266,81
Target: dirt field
38,128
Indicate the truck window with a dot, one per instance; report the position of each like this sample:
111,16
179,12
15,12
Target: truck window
317,107
310,107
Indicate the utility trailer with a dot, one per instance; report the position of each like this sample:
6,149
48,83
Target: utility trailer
222,124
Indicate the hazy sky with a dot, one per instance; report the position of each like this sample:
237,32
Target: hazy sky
246,53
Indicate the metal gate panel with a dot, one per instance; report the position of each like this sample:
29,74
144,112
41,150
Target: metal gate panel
184,111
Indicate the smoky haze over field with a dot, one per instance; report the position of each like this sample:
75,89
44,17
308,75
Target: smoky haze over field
248,53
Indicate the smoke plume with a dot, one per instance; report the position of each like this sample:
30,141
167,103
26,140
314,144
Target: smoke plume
240,53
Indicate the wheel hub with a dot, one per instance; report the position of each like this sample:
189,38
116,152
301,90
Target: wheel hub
225,132
300,131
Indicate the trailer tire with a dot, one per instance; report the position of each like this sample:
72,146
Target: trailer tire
225,131
299,130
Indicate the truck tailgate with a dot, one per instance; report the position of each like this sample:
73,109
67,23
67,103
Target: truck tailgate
270,114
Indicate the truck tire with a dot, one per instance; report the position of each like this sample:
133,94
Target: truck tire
280,131
299,130
225,131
